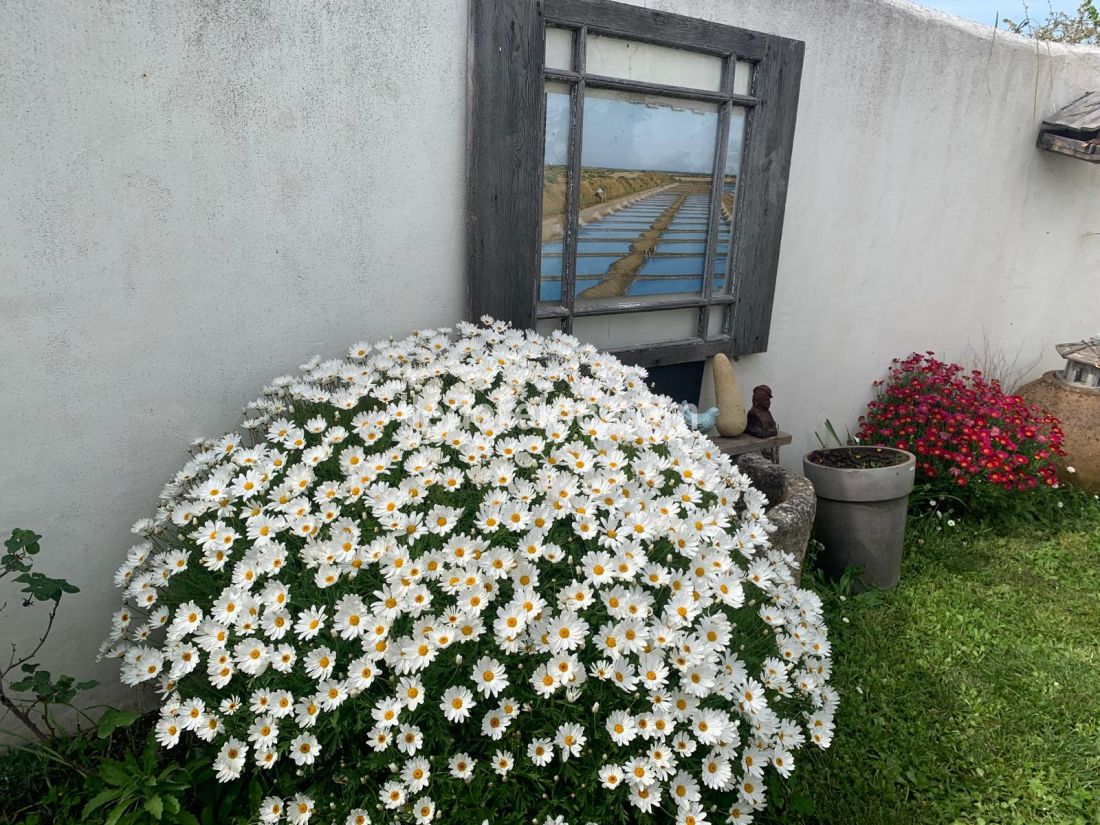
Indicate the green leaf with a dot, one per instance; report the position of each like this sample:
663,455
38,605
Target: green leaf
116,814
171,804
113,719
186,818
44,588
155,806
23,541
98,801
113,773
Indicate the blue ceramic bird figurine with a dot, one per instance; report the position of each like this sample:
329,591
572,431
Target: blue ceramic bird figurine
701,421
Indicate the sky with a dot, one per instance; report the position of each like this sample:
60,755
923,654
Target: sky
622,132
986,11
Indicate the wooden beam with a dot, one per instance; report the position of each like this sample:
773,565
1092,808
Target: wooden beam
1080,149
506,103
652,26
762,193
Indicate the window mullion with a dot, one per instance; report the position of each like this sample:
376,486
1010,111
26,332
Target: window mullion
717,182
573,180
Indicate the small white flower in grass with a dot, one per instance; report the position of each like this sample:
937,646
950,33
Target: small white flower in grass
331,693
265,758
540,751
423,810
691,814
611,776
620,726
299,809
379,738
168,732
489,676
752,790
416,774
457,703
409,739
230,760
411,692
716,772
264,732
754,761
304,749
306,711
645,798
358,816
461,766
783,762
271,809
503,762
310,623
683,790
494,724
392,795
319,663
387,713
638,772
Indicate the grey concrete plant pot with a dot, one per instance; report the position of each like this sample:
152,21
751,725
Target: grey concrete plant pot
861,511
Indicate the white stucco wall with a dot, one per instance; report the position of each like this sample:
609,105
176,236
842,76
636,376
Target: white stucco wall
920,215
198,196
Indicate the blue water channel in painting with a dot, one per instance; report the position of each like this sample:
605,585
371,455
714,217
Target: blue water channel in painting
675,265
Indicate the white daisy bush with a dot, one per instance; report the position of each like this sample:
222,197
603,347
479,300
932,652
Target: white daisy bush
475,573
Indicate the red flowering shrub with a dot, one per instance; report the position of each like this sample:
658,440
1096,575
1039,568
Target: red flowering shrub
964,429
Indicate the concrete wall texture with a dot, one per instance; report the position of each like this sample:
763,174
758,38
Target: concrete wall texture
200,195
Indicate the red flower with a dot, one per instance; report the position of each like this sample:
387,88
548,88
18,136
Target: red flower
949,416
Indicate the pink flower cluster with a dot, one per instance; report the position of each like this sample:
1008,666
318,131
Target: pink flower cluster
962,426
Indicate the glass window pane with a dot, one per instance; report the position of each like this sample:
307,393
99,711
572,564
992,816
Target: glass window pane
714,322
645,183
742,77
734,150
631,60
554,173
637,328
547,325
559,48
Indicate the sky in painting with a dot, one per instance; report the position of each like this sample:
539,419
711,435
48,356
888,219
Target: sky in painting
623,131
987,11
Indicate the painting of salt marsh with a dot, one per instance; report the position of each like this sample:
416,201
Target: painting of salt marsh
644,196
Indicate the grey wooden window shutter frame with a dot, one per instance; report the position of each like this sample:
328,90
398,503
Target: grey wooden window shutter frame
505,134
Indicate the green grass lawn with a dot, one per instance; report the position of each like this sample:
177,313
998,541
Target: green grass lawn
971,693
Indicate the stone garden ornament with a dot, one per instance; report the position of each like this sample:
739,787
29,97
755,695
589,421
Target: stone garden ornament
761,423
732,415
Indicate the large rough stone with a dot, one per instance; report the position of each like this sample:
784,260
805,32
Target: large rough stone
732,415
1078,408
792,505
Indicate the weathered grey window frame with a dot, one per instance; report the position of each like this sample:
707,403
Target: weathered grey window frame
506,122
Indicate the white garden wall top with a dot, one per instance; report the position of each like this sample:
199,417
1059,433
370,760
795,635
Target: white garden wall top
199,196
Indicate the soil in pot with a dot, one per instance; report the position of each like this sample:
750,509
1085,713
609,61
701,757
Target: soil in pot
858,458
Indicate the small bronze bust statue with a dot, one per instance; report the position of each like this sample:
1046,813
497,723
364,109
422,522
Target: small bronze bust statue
761,424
